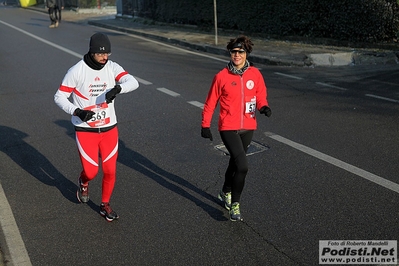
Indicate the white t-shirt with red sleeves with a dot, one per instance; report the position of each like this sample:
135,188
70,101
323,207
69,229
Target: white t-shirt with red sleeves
85,88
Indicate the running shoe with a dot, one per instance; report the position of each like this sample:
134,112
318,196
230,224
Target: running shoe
83,191
235,214
226,198
107,212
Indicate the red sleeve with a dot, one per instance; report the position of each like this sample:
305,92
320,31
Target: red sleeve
261,92
210,103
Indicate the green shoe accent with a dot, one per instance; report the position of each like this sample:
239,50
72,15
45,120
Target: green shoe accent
226,198
235,214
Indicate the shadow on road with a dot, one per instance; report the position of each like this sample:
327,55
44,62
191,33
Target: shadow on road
141,164
32,161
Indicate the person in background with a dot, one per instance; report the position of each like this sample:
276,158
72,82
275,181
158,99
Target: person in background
93,84
59,5
51,7
240,89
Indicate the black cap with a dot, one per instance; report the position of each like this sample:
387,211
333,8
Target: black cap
99,43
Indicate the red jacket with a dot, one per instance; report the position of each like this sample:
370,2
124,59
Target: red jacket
239,97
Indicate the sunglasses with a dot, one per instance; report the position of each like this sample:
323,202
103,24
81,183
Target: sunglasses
103,54
241,51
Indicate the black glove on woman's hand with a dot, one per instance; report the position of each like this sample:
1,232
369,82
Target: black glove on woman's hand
110,96
266,111
206,133
84,115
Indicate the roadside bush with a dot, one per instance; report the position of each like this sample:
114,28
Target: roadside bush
351,20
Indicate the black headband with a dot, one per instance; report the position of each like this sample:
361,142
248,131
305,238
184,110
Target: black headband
239,45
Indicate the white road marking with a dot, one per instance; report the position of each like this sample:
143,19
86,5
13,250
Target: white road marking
382,98
142,81
15,244
331,86
43,40
169,92
288,76
331,160
197,104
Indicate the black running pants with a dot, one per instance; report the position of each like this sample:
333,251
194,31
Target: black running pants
237,143
53,17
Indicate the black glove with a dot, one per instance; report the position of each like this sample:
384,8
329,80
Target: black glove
84,115
206,133
110,96
266,111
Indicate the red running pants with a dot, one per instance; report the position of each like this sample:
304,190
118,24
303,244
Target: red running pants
91,146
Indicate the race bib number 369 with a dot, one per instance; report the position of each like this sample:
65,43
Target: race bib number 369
101,117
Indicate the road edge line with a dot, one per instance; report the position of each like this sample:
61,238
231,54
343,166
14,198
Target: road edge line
13,247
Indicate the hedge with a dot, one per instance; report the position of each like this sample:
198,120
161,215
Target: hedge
350,20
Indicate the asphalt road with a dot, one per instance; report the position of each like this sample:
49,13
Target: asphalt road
328,170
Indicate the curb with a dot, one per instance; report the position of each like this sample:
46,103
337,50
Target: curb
198,47
328,59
